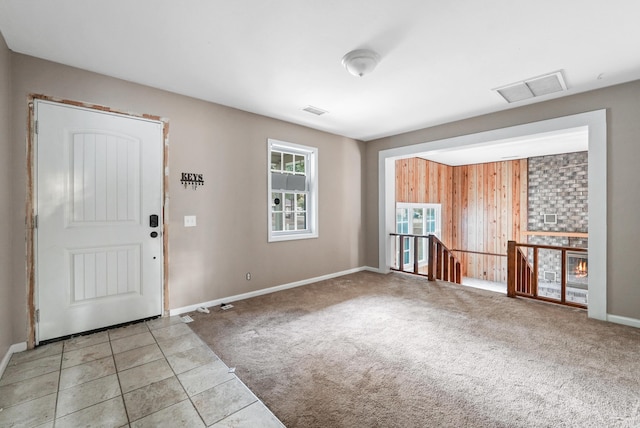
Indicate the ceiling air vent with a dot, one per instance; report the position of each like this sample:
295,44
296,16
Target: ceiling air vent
534,87
315,110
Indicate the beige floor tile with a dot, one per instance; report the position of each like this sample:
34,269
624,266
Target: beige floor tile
171,332
128,330
181,343
137,357
255,415
144,375
184,361
37,353
80,342
30,414
84,355
223,400
182,414
204,377
109,414
27,390
132,342
152,398
30,369
86,395
86,372
163,322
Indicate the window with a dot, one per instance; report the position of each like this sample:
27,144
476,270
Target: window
293,191
417,219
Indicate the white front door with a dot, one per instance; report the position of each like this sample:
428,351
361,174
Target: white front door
98,187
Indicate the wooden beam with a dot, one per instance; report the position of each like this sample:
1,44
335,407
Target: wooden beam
563,234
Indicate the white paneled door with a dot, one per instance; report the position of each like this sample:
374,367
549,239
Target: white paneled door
99,252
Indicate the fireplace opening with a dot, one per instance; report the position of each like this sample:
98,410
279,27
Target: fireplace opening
577,270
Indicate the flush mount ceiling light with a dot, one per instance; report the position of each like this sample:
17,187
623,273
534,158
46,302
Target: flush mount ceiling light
534,87
360,61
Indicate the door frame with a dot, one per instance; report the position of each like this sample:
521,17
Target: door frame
30,203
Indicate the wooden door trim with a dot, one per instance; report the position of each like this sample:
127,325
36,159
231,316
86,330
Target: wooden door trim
30,203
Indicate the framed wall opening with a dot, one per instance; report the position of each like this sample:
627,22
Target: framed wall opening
594,122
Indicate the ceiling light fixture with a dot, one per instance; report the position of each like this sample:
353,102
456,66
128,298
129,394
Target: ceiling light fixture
360,61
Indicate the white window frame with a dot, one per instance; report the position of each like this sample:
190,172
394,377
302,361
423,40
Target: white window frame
410,207
311,170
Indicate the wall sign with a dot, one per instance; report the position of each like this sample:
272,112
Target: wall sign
191,179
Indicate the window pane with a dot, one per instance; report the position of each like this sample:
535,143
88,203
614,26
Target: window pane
276,202
418,222
301,221
288,161
276,222
276,161
289,221
288,201
300,164
301,202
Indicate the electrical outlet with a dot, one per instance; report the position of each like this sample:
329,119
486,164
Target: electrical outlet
248,276
189,221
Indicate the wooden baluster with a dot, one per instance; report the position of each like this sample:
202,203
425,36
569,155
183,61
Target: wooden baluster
415,255
563,280
401,254
445,265
438,260
430,259
534,291
511,268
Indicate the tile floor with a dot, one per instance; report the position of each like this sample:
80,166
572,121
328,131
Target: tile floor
152,374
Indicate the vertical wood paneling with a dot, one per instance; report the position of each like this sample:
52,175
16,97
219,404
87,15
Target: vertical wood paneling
483,207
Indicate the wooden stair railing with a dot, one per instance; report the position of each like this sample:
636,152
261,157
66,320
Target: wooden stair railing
523,282
442,263
522,276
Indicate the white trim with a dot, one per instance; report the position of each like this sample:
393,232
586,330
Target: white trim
595,121
632,322
16,347
191,308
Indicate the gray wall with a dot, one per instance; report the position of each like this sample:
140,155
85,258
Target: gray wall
7,309
623,199
229,147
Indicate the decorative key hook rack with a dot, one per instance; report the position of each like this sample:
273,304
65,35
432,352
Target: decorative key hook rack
191,179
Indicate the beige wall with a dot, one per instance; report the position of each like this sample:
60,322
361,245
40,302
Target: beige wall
229,147
6,254
623,155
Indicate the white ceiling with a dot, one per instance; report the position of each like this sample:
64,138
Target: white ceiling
543,144
440,59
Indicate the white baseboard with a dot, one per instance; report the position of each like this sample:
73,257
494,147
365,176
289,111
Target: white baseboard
632,322
371,269
17,347
191,308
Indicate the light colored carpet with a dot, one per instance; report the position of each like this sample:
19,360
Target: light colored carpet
371,350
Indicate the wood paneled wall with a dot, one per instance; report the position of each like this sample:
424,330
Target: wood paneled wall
483,207
426,182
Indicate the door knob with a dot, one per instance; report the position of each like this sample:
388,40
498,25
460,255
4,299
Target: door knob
154,234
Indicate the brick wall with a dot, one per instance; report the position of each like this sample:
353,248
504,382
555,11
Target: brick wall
557,185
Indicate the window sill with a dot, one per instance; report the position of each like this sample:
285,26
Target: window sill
292,237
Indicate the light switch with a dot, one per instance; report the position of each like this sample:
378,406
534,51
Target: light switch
189,221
